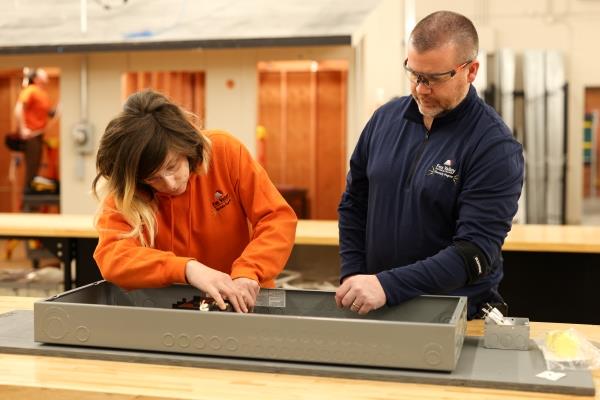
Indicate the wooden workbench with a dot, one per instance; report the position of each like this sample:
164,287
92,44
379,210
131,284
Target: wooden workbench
47,225
37,377
535,238
69,237
546,238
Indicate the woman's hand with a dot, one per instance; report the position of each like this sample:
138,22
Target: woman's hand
249,288
216,284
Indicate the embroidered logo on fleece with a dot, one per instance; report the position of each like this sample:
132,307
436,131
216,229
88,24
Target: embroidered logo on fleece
445,170
221,200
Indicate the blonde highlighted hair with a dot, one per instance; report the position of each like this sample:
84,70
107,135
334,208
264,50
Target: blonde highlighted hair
134,146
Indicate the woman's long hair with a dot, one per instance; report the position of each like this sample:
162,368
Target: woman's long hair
134,147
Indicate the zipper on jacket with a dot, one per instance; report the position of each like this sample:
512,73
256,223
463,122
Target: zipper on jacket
419,154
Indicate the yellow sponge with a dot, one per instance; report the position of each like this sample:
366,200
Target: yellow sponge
563,344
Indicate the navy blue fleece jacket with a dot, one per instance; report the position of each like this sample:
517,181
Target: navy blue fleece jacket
413,195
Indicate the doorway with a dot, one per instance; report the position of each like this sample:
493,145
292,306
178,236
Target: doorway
302,123
43,193
12,163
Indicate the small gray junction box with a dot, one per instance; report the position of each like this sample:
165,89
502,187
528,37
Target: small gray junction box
513,336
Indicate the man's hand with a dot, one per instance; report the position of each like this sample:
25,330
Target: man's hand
216,284
360,293
249,289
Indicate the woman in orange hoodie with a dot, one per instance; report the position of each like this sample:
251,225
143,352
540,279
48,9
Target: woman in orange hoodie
179,205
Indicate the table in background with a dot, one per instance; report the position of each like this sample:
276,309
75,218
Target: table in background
69,237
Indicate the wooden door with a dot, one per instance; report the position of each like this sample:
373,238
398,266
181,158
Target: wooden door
10,84
302,108
185,88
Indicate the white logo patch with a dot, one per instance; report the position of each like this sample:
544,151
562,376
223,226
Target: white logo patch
445,170
479,271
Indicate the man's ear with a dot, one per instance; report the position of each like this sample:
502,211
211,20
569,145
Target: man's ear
473,68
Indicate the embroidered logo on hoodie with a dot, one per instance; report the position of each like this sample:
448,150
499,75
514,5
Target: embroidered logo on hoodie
221,200
445,170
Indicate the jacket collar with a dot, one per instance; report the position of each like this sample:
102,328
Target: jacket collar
413,113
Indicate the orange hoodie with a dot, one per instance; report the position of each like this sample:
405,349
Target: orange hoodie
232,219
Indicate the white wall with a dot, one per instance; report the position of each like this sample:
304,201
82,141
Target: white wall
378,74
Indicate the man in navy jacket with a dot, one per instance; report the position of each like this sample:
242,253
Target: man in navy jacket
433,183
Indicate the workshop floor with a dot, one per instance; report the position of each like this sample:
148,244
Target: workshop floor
17,275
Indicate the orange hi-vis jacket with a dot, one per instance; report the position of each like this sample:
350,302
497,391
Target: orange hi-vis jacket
231,219
36,105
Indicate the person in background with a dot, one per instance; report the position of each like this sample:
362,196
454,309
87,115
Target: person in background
180,205
33,111
433,184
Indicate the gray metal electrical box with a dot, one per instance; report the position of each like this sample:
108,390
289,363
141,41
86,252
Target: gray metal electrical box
291,325
514,336
82,134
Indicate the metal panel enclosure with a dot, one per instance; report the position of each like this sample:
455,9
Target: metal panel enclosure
290,325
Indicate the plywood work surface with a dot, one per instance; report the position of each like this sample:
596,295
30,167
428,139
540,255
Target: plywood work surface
32,376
